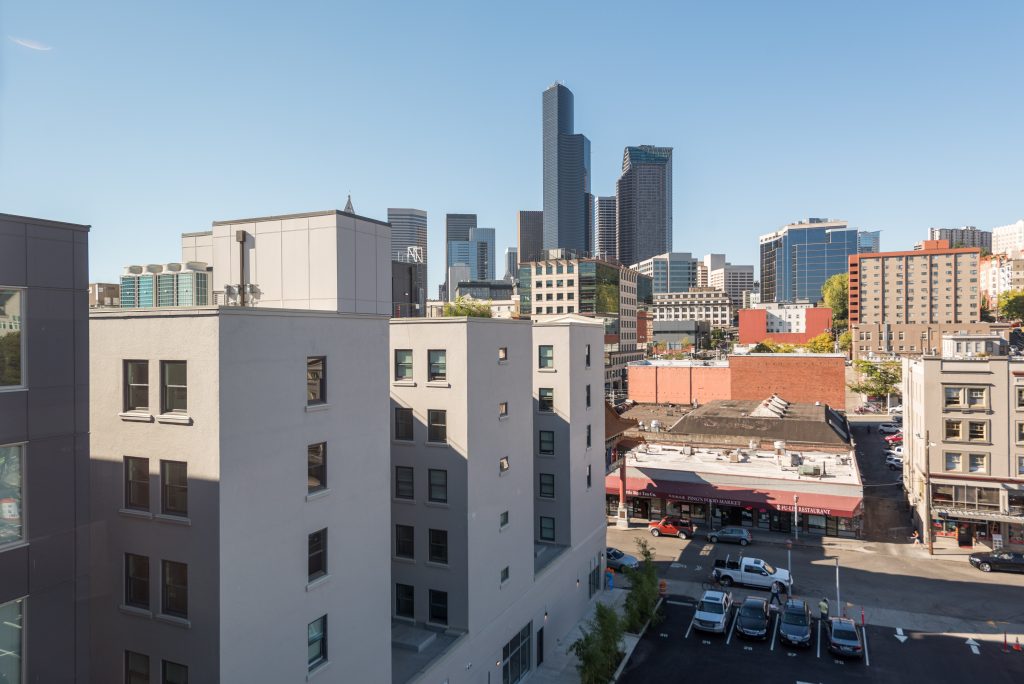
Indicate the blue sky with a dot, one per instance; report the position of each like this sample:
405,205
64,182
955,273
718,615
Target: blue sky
149,119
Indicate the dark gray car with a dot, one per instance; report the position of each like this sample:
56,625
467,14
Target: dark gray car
844,639
795,625
734,535
752,620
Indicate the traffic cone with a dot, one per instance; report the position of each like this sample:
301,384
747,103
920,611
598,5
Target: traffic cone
1016,645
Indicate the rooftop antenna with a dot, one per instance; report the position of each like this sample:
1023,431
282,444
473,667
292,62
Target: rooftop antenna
348,204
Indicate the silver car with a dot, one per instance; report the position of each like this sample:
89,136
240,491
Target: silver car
617,559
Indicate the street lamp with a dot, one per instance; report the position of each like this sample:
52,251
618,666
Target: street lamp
796,516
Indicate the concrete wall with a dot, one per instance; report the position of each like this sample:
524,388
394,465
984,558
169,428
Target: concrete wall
49,414
197,247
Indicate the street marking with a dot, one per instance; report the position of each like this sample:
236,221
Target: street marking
748,648
676,565
663,635
791,654
864,636
775,629
690,628
819,638
735,619
680,603
697,568
900,635
706,642
974,646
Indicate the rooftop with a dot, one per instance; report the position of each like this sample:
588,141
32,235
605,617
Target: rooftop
307,214
772,418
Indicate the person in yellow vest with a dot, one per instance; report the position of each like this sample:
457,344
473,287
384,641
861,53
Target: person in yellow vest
823,610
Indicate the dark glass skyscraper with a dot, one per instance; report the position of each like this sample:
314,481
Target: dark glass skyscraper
797,260
568,211
531,235
644,192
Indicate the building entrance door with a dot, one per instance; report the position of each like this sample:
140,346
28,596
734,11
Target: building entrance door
965,534
780,521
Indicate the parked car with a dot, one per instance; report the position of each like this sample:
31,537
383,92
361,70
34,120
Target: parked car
617,559
795,625
896,450
844,638
889,429
753,572
752,620
733,535
895,439
713,611
672,527
1005,561
896,409
894,462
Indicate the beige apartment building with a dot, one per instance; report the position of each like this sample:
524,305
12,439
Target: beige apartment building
698,304
964,427
903,302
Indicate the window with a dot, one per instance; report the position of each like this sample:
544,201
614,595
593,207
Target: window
174,385
589,476
439,607
438,480
547,528
136,481
978,463
588,436
586,357
1020,432
503,409
588,396
516,656
1020,466
502,353
547,485
316,640
1020,397
545,356
503,519
546,401
136,385
547,442
316,380
504,574
136,581
976,396
11,343
977,431
136,668
954,396
438,546
316,467
404,488
954,429
438,365
174,673
405,600
437,426
174,488
11,479
952,461
403,424
175,595
317,555
503,465
405,541
403,364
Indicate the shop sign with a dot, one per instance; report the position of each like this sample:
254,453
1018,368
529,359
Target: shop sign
804,509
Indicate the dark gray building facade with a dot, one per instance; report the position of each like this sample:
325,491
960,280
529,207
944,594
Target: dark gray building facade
568,204
531,235
408,289
644,198
44,450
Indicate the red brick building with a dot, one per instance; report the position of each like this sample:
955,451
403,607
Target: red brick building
644,327
803,378
788,323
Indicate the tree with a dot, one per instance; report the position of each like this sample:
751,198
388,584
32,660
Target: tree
599,648
835,293
845,340
877,379
643,593
10,358
467,306
822,344
986,310
1011,305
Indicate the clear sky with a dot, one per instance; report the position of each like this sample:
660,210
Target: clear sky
148,119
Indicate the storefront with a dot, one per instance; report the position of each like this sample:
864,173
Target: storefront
974,516
757,508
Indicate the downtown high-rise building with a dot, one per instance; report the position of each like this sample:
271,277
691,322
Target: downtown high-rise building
797,259
531,235
511,263
965,236
568,214
869,241
408,235
644,199
604,229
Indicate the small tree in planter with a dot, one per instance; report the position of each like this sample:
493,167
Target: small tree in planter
599,649
643,593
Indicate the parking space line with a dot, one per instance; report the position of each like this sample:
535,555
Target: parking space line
690,628
775,630
867,657
735,619
819,638
679,603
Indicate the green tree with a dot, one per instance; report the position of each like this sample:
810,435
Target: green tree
986,310
467,306
877,379
643,592
10,358
822,344
835,293
599,648
765,346
1011,305
845,340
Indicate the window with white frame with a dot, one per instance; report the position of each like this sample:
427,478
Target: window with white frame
545,356
12,361
978,463
953,461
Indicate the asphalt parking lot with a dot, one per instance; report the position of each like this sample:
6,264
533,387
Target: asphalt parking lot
671,651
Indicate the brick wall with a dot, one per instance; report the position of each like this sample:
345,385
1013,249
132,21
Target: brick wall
678,384
800,379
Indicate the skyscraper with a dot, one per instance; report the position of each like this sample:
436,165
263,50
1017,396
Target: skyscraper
485,253
604,229
965,236
869,241
568,216
798,259
511,263
458,226
644,213
531,235
408,235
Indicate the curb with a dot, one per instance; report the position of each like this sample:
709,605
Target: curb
629,650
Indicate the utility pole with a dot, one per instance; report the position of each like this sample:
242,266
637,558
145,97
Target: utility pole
796,516
928,493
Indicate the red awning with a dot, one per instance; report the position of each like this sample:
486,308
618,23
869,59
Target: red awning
753,497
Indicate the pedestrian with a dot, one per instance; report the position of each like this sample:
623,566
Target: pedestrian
776,590
916,537
823,609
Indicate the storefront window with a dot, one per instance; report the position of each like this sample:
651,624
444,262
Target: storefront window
942,494
763,519
698,511
846,528
747,517
11,640
988,497
10,494
10,338
816,524
657,511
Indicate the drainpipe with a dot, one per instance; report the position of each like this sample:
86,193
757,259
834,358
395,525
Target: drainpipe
240,239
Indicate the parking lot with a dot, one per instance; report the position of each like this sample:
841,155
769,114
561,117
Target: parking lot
673,650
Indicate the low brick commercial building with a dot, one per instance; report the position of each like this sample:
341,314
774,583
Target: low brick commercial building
806,378
788,323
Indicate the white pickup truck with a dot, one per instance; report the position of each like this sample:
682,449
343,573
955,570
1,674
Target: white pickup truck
753,572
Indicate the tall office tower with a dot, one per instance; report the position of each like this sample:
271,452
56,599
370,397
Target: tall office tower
671,272
1009,239
966,236
797,259
45,535
511,263
458,226
604,229
458,250
567,216
733,279
644,203
869,241
486,255
497,502
408,235
531,235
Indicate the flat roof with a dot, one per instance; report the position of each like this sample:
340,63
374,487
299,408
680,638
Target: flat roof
307,214
114,313
15,218
798,423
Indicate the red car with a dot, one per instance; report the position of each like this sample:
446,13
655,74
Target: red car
672,527
894,439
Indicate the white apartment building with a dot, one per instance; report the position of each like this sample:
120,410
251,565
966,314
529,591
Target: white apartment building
964,427
238,470
498,527
715,272
699,304
1009,239
995,276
